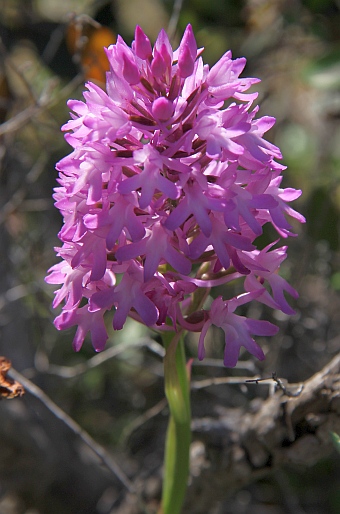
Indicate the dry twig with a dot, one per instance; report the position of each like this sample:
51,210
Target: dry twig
243,446
99,450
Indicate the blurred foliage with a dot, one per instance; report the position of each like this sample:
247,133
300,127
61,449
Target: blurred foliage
294,47
336,440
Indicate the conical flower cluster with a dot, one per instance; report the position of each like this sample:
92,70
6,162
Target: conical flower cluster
168,186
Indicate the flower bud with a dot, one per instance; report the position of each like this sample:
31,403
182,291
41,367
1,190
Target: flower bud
187,53
142,45
162,108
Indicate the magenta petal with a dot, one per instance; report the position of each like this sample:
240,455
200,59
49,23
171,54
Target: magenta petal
99,336
120,315
279,285
102,300
199,245
263,202
127,252
163,46
222,253
151,264
178,216
142,44
167,187
203,220
158,65
187,53
185,63
78,338
261,328
135,227
255,349
130,71
99,264
146,309
231,350
65,320
178,261
214,149
130,184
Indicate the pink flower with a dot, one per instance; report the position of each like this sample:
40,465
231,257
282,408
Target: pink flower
265,266
169,183
237,329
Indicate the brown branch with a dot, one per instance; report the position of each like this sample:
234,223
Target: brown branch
240,447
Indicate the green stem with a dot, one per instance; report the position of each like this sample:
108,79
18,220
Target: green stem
177,446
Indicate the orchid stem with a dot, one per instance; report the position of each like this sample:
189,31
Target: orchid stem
177,446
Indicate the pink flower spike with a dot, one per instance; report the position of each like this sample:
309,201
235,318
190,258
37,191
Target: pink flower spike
169,180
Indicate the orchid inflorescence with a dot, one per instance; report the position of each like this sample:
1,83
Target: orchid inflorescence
169,184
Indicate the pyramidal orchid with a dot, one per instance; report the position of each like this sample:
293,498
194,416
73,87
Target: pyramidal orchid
169,184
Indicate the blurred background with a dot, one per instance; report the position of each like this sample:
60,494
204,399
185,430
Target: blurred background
48,49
